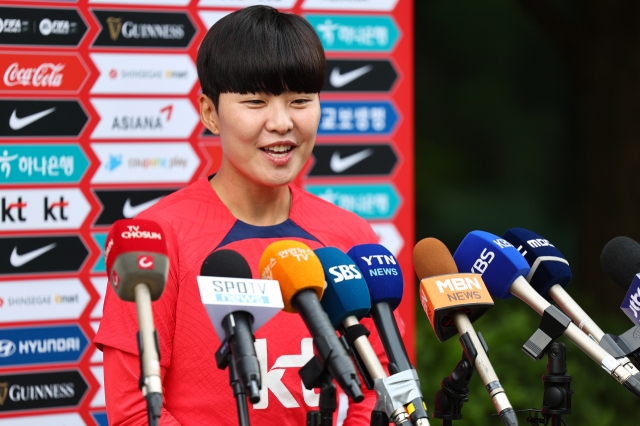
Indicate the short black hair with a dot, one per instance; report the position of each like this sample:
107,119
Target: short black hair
260,50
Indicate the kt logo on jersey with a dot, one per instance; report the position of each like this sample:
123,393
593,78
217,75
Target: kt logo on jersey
42,209
26,255
38,26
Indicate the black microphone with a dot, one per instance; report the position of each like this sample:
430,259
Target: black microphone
237,325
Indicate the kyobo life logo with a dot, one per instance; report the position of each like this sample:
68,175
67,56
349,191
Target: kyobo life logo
40,163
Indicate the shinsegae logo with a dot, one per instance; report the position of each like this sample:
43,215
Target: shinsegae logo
144,73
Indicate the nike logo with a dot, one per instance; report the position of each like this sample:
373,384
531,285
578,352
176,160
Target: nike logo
17,260
339,80
339,165
18,123
130,211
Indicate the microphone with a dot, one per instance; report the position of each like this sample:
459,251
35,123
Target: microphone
383,276
137,267
549,275
237,305
453,301
346,300
620,260
297,268
503,269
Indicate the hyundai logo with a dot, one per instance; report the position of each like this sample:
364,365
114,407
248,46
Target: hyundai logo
7,348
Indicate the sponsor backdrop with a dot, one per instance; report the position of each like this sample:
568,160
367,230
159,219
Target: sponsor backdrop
99,121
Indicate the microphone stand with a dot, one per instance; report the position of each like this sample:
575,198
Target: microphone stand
223,360
557,392
315,375
454,390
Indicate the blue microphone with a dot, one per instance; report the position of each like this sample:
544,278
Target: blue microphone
346,300
383,275
550,274
502,268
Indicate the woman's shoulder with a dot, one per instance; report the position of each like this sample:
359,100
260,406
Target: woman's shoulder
321,217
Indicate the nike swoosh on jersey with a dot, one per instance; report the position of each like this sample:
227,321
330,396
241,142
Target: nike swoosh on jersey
130,211
339,80
17,260
339,165
18,123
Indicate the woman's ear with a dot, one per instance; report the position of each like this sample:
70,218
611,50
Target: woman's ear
208,114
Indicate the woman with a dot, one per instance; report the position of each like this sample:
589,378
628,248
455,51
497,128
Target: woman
261,72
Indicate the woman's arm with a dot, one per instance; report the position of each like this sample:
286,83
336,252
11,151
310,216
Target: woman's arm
125,404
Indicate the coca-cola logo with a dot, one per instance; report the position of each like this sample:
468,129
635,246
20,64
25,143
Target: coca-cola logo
62,73
47,74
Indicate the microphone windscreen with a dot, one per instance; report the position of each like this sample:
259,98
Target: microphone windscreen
381,272
295,266
548,265
136,253
133,235
431,257
347,293
620,259
225,263
494,258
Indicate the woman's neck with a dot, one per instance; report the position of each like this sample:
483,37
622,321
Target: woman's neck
249,201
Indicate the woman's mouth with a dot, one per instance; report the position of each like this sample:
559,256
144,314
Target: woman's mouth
278,150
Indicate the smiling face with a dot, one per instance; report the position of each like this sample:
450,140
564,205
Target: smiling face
266,139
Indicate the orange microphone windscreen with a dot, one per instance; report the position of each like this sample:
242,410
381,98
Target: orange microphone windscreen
431,257
295,266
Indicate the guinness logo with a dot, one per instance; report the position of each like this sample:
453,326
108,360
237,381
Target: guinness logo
4,391
115,25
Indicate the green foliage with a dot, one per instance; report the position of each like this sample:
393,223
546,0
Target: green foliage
494,150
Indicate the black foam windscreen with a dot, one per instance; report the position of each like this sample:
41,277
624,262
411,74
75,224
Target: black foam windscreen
620,259
226,263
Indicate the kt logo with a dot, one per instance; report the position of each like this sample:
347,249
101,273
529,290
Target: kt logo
54,210
13,211
58,206
272,379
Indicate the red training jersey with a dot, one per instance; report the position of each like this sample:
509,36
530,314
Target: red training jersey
195,391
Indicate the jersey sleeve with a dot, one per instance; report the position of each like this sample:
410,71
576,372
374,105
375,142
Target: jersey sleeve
123,399
119,325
